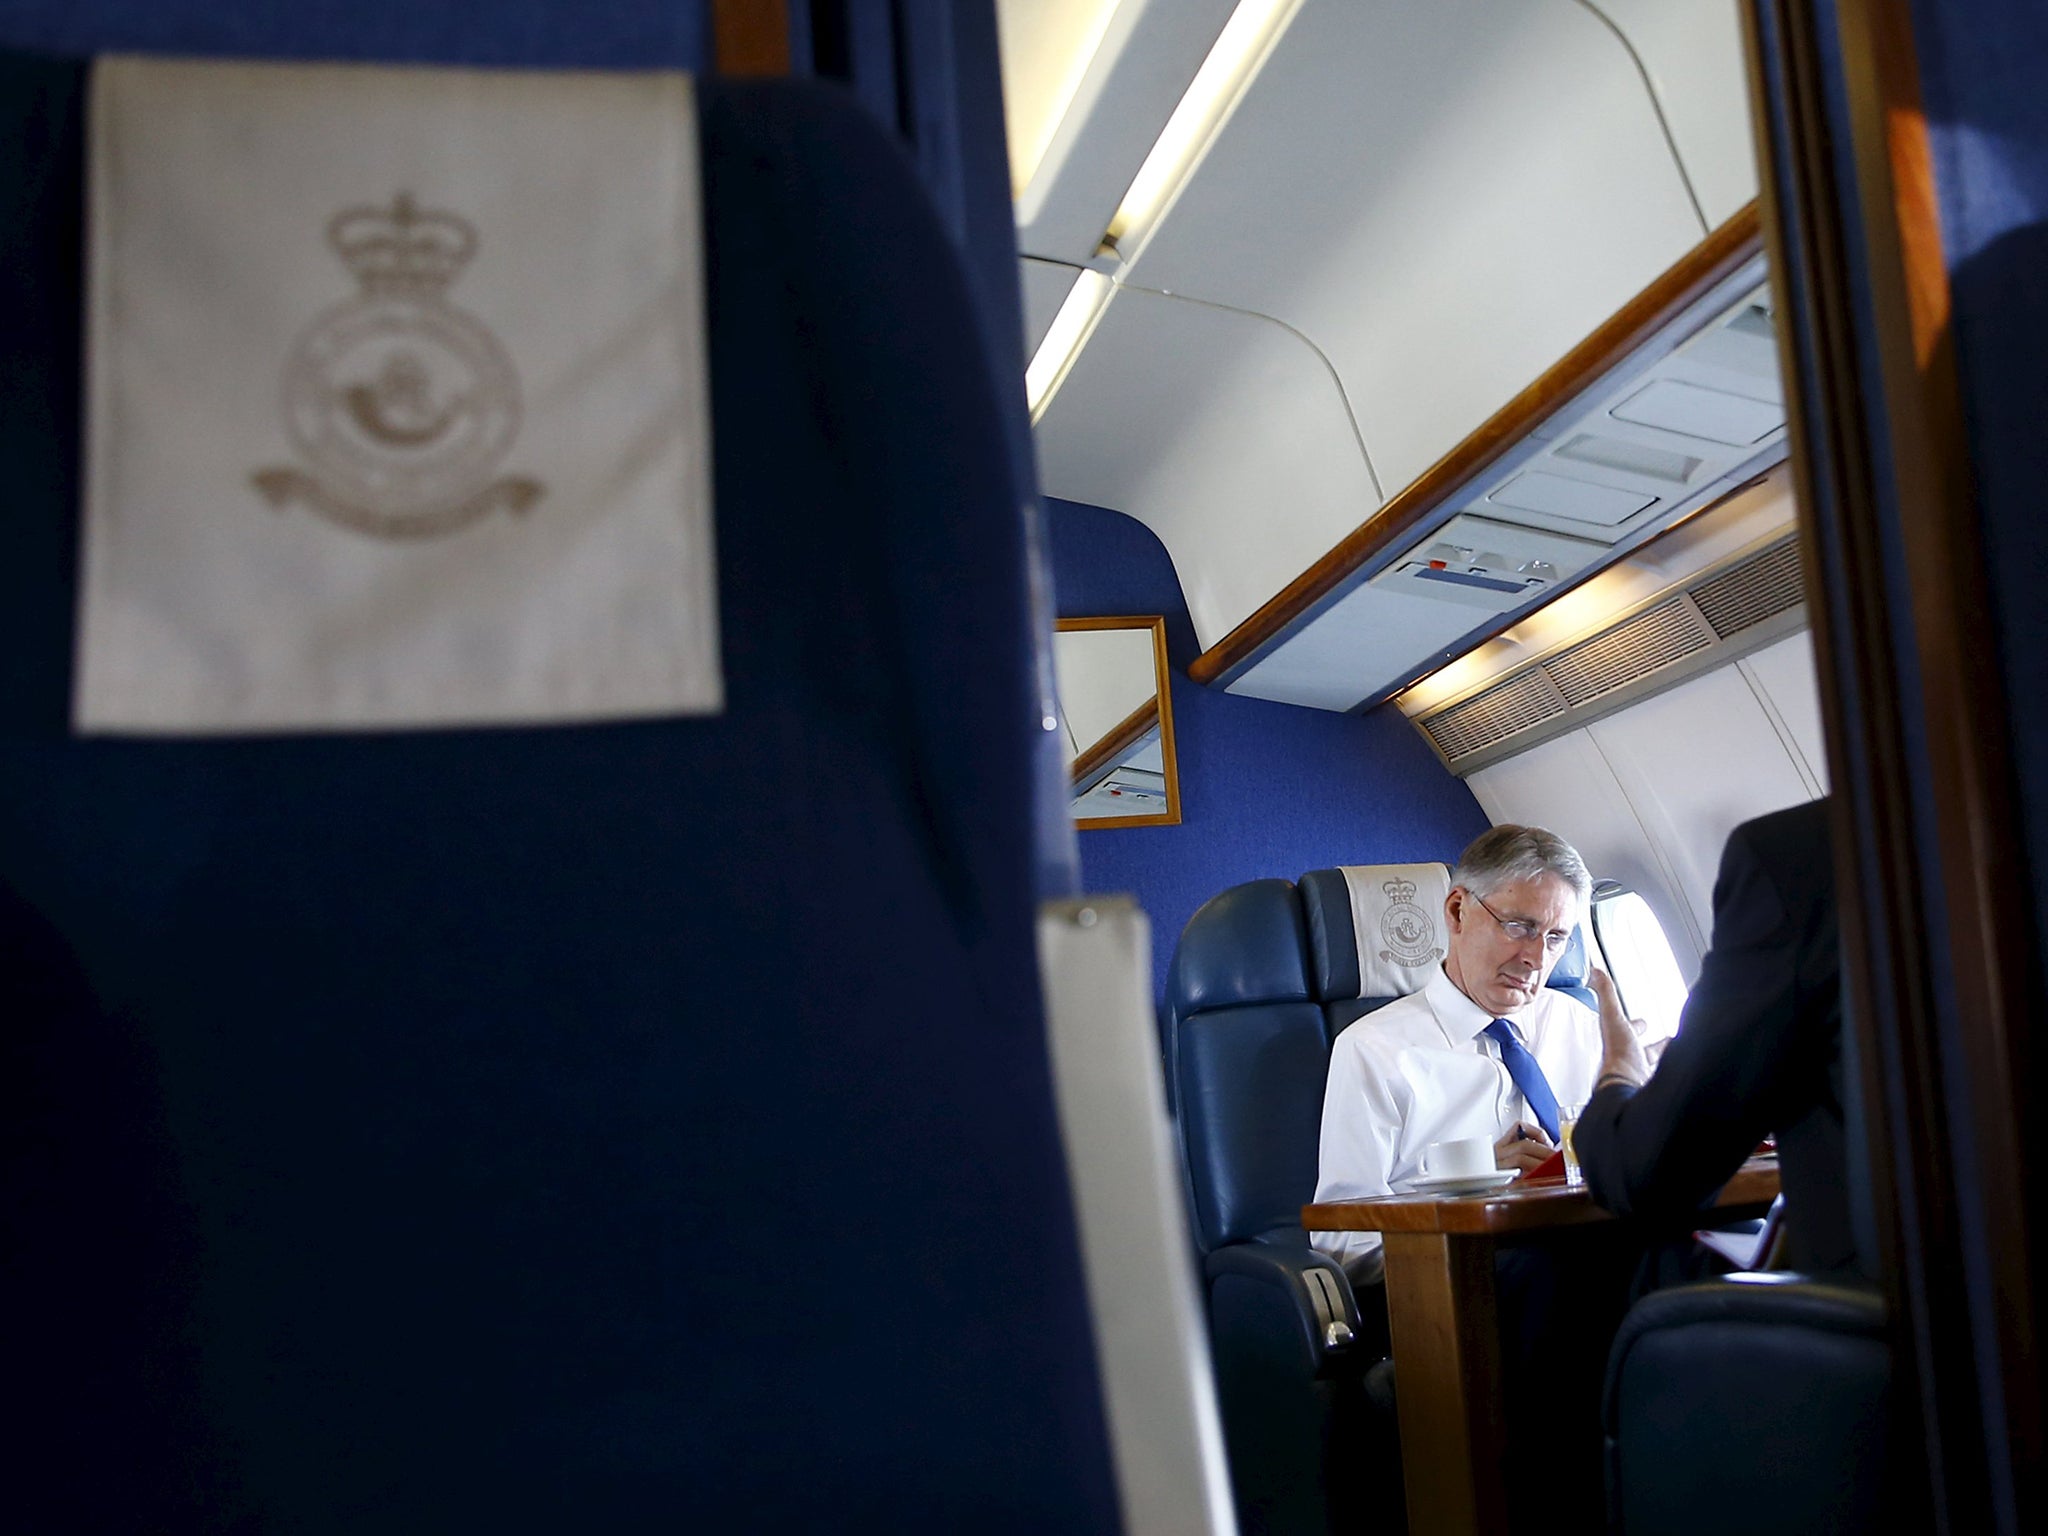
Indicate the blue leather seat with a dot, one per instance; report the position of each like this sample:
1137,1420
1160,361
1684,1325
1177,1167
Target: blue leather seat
624,1128
1760,1402
1265,977
1775,1395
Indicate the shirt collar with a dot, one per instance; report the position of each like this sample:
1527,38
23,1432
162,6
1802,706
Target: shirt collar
1461,1019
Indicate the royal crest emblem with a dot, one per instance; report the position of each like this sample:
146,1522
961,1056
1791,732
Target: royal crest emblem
401,405
1407,928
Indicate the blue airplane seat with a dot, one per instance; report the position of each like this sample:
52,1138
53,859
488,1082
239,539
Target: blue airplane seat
616,1128
1773,1393
1326,898
1264,978
1247,1054
1574,965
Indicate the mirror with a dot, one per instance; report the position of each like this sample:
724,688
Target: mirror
1116,718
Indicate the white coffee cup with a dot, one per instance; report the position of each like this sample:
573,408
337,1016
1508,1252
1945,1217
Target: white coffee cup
1464,1158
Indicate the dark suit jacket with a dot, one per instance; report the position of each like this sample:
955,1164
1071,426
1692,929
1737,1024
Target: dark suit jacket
1758,1050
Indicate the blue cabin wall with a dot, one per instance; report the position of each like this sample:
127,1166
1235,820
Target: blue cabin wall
1266,789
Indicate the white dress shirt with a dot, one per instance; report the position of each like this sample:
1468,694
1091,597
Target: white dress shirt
1421,1070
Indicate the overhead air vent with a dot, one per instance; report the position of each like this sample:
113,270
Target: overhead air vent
1525,700
1761,587
1733,610
1633,649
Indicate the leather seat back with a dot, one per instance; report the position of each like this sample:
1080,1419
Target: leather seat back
1248,1057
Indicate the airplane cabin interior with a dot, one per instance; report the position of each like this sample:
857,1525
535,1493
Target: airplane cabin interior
714,708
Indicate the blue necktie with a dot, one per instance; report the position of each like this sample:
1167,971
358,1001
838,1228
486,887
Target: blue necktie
1528,1076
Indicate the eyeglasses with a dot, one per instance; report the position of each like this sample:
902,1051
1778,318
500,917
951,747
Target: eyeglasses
1522,931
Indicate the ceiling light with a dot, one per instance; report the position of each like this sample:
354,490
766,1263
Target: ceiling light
1240,48
1079,311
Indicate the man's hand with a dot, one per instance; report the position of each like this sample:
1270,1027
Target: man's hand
1522,1148
1621,1052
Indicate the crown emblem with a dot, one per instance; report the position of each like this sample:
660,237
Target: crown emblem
400,404
1399,890
403,250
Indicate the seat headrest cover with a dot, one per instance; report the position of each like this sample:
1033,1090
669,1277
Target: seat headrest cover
1245,945
1397,922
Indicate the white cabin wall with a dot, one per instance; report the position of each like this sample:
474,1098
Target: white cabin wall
1648,795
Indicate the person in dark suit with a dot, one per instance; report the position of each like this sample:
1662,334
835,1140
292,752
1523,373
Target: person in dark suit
1758,1050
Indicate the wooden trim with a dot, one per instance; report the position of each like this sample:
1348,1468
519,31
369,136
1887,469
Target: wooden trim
1442,1312
1402,518
1162,697
1934,912
1522,1207
750,38
1122,736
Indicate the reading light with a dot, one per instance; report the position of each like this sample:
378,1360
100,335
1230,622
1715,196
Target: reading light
1239,50
1079,311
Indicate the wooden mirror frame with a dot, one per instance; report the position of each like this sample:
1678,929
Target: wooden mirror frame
1134,726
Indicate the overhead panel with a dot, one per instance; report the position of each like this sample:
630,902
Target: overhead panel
1401,183
1664,431
1475,563
1590,478
1580,500
1372,632
1223,433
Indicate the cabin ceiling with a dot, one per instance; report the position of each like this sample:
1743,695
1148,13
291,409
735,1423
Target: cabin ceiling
1400,217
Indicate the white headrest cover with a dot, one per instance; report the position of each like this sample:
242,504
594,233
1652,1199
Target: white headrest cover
1397,912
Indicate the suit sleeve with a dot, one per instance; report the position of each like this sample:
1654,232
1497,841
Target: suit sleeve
1665,1148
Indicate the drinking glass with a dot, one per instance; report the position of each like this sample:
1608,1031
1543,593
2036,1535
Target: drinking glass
1567,1122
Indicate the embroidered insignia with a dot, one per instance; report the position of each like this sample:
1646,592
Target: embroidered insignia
1407,928
401,404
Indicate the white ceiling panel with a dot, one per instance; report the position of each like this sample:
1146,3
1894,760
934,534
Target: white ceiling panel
1224,433
1446,198
1692,52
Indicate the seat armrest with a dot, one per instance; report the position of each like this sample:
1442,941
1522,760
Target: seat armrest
1296,1301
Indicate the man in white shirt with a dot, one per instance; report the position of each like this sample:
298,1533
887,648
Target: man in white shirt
1485,1050
1482,1050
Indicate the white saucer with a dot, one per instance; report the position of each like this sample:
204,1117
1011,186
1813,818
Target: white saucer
1460,1183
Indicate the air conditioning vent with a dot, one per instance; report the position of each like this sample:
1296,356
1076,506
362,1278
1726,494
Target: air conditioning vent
1759,588
1727,614
1633,649
1525,700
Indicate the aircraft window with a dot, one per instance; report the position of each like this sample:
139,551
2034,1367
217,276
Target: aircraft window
1639,958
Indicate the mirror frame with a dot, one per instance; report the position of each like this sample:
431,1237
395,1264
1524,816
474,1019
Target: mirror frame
1133,727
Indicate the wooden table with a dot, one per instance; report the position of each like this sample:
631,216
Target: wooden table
1445,1323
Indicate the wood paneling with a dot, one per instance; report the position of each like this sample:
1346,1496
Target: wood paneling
1934,941
750,37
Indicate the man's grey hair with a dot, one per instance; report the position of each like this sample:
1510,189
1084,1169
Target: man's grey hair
1508,853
